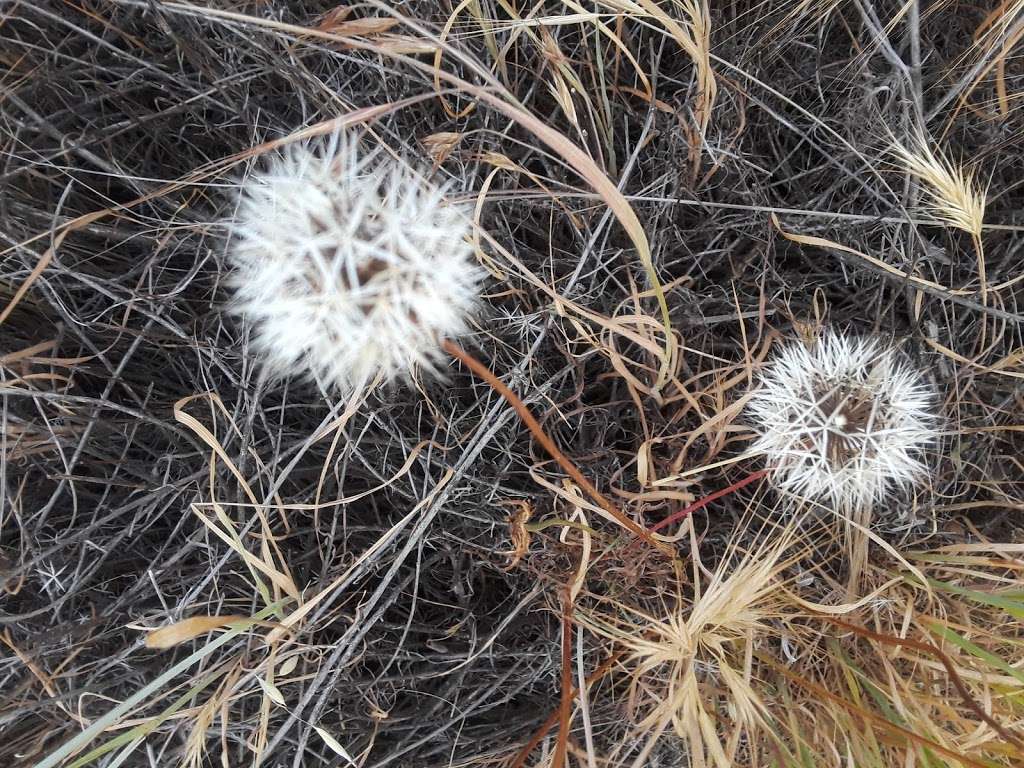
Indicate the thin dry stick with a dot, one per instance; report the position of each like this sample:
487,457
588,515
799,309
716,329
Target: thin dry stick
548,444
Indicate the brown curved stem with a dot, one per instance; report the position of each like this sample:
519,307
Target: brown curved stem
548,444
933,650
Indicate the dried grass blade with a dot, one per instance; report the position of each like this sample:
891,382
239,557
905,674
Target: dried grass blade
187,629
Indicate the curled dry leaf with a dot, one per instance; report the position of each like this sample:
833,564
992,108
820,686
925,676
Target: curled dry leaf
520,536
336,24
440,145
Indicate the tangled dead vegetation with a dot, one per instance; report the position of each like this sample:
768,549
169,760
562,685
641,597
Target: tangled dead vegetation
203,565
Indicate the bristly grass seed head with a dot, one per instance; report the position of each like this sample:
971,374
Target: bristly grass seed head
689,662
843,422
952,192
349,265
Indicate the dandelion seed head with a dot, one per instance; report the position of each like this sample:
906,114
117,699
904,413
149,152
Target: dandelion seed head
843,422
348,265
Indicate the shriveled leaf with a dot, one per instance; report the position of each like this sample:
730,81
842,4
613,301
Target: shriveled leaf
440,145
272,691
288,666
499,160
374,25
334,16
332,742
187,629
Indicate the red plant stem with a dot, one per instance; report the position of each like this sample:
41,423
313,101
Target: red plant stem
548,444
686,511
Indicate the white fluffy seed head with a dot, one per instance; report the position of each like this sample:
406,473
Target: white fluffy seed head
348,265
843,422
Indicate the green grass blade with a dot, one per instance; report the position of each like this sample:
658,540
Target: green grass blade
977,651
102,723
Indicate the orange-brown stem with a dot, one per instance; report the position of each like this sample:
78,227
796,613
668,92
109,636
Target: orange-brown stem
548,444
555,716
565,709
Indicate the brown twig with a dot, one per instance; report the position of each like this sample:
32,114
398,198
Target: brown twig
548,444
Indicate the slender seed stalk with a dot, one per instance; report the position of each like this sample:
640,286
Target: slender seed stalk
548,444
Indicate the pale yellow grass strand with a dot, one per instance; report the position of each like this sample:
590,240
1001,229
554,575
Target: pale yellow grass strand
952,194
664,655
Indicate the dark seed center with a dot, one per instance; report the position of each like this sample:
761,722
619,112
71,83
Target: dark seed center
847,412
